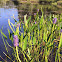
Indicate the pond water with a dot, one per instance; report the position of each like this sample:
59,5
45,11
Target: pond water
7,12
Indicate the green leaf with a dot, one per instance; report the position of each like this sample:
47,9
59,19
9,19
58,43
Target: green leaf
34,40
44,36
10,25
41,20
25,44
11,38
28,19
3,34
28,51
60,43
15,20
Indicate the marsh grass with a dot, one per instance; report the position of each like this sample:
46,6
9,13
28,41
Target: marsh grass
39,42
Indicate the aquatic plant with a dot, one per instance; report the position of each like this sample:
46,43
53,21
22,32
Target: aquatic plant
37,41
60,30
35,22
16,40
37,10
55,20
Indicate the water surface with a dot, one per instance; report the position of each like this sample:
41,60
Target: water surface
5,14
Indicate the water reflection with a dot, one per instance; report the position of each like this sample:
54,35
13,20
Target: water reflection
5,14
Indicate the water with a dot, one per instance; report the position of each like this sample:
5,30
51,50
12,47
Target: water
5,14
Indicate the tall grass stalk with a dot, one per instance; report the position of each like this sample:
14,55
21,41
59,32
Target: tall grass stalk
17,54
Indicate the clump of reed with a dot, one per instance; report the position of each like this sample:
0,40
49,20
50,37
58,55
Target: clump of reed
38,40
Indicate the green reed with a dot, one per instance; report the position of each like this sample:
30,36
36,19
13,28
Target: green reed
37,42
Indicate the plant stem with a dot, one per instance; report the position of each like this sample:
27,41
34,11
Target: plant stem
17,55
